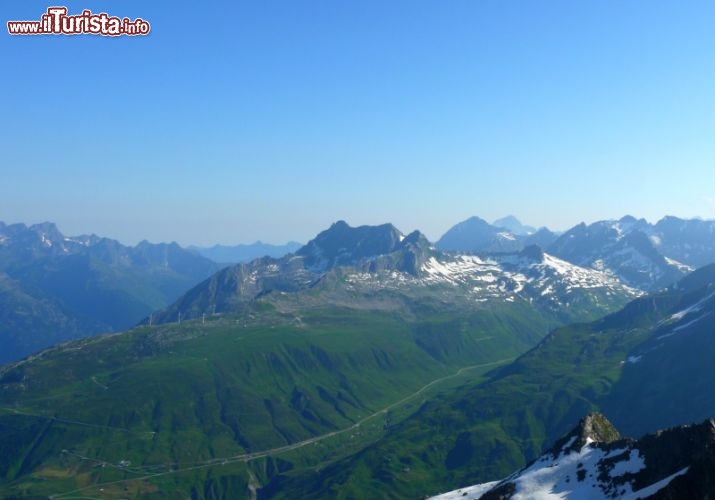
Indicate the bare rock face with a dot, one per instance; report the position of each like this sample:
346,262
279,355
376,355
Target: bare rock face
594,427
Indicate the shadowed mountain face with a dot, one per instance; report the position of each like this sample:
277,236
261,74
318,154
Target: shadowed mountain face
647,256
626,249
689,241
56,288
344,245
593,461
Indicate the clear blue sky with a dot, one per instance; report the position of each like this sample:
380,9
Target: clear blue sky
270,120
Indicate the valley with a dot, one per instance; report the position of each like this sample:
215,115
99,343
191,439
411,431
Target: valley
367,360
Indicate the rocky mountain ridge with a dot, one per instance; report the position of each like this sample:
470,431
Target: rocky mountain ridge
370,259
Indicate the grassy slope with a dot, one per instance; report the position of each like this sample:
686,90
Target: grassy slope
176,395
484,431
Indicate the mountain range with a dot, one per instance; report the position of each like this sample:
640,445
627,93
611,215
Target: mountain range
278,353
347,265
55,288
368,363
642,255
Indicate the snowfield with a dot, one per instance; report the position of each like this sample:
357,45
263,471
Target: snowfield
589,473
504,277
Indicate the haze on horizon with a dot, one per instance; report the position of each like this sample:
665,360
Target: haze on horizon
272,120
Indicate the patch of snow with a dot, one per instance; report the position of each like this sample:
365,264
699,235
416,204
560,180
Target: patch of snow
681,327
634,464
679,265
590,473
499,277
506,236
694,308
84,240
620,230
571,475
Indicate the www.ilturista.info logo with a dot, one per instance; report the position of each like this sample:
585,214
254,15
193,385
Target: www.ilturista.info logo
57,22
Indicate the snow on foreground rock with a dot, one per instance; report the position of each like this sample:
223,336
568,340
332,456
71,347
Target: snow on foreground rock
592,462
590,473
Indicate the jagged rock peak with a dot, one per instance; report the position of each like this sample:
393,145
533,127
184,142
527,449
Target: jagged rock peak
594,427
340,233
597,427
417,238
342,244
